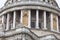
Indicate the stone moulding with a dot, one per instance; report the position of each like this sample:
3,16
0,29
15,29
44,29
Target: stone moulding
27,31
29,7
28,4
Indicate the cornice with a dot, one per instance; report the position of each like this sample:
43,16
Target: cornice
29,4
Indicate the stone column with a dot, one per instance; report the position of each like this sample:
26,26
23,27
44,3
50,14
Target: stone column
44,20
37,19
46,0
14,20
3,24
7,25
29,19
21,20
14,0
57,25
51,19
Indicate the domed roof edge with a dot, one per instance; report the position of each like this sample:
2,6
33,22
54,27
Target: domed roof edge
56,3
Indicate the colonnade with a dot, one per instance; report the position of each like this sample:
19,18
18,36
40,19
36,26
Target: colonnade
29,20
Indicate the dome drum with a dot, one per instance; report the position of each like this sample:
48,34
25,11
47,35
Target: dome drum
39,18
35,18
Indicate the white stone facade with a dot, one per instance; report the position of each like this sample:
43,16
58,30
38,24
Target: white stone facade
30,20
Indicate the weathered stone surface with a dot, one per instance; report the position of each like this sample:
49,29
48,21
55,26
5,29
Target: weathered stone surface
21,31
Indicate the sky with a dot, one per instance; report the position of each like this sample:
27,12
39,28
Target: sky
3,1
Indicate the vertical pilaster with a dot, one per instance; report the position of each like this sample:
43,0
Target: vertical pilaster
7,25
29,19
51,16
14,20
37,19
45,20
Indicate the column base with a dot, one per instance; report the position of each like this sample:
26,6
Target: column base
44,28
6,29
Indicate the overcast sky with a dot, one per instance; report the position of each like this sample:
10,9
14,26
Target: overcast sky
3,1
